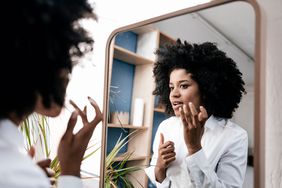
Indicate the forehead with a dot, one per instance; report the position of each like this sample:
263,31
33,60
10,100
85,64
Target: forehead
179,74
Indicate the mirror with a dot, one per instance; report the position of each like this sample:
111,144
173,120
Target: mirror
133,114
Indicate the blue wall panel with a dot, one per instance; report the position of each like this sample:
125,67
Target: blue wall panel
127,40
120,98
121,86
113,136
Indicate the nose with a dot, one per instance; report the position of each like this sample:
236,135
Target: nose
175,92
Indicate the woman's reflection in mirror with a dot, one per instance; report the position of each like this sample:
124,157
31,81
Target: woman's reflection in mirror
198,146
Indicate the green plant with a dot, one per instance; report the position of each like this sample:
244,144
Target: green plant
36,132
117,172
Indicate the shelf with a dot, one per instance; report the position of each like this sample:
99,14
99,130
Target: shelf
132,158
130,57
126,126
162,110
164,39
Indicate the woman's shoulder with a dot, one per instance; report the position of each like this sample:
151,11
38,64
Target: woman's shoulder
236,129
169,121
227,126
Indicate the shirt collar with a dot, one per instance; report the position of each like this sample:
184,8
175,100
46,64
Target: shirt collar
213,122
10,134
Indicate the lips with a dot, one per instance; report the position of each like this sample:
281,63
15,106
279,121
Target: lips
177,104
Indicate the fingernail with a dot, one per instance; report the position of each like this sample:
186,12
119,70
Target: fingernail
74,114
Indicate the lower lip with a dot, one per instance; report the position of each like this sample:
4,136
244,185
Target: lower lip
176,107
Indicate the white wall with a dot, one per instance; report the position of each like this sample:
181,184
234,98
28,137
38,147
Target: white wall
244,115
87,80
271,49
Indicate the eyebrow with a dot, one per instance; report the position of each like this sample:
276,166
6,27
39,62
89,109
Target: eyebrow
181,81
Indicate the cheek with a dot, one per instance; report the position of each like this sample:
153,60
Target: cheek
53,111
193,96
170,97
197,100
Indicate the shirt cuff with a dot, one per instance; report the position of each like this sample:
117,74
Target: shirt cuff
69,182
165,183
197,160
150,171
196,166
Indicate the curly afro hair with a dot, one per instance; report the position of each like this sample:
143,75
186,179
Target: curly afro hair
39,39
220,81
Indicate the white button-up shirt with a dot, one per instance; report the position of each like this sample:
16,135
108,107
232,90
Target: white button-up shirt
17,169
221,162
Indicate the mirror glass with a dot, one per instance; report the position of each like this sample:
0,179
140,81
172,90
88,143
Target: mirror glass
134,114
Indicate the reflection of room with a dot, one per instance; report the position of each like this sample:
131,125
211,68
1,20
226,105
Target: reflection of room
223,26
132,64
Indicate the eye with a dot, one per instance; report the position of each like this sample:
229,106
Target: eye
171,88
184,86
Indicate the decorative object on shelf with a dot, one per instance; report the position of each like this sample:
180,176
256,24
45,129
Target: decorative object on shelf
119,118
138,112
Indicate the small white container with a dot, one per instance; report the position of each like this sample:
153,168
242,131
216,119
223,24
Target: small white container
138,112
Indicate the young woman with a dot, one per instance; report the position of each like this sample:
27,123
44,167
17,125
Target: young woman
198,146
41,39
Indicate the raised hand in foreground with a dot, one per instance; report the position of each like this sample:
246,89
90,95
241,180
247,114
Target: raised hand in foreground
73,146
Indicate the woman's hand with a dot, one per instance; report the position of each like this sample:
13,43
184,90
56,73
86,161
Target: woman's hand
72,146
44,165
166,155
193,125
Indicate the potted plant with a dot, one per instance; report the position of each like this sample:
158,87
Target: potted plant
116,172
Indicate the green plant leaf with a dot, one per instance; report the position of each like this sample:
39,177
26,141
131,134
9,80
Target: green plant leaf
118,172
36,128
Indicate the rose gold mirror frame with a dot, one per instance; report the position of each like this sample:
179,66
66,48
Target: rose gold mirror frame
259,87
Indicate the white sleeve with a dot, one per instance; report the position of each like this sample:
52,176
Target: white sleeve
17,170
69,182
230,170
150,171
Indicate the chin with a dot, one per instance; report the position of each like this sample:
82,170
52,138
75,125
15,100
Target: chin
53,111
